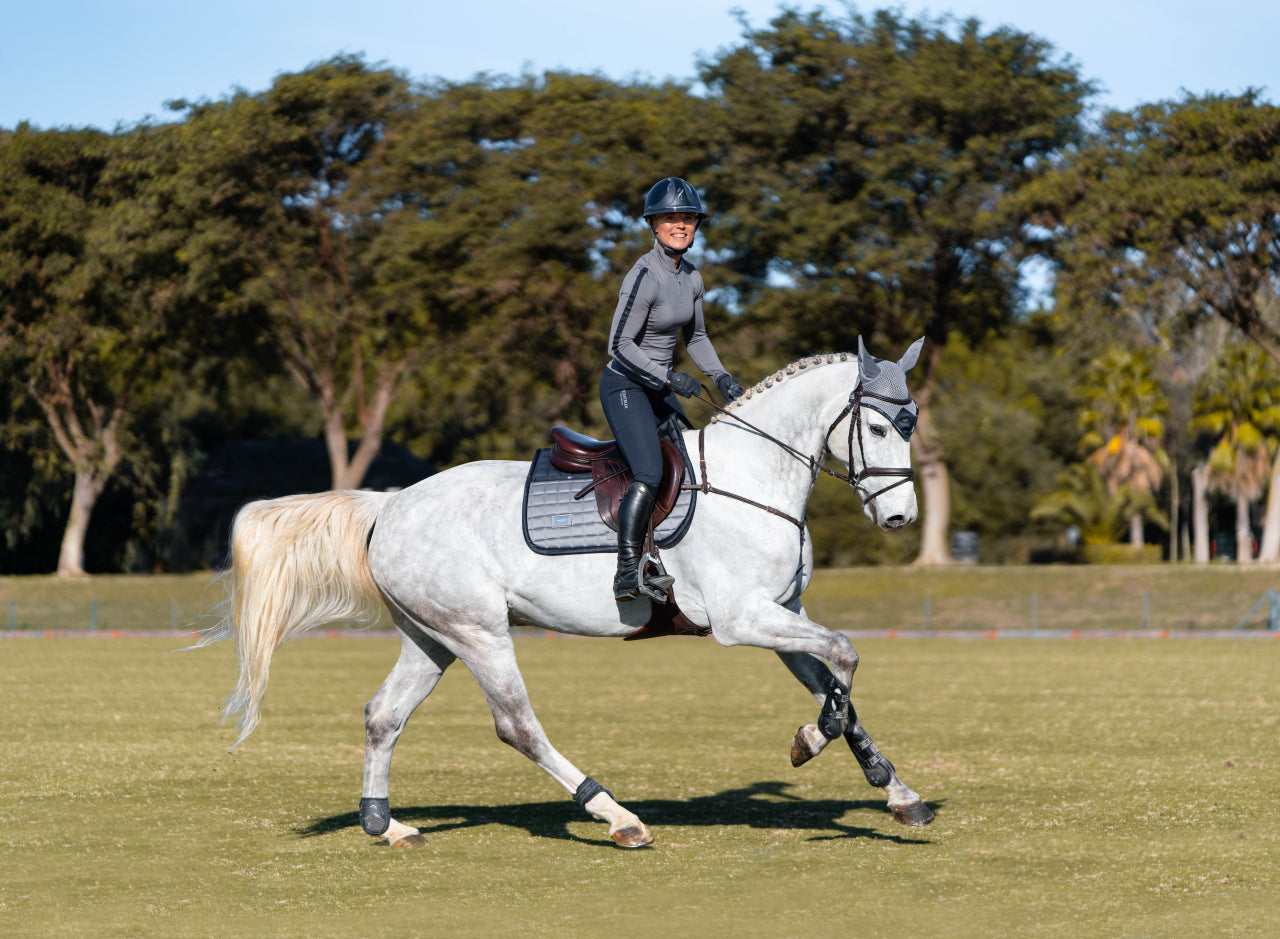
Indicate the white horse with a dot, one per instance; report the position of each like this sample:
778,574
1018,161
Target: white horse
448,559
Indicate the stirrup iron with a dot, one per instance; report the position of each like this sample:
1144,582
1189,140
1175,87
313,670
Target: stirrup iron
655,586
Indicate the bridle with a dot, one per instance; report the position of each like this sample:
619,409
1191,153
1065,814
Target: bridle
853,410
906,473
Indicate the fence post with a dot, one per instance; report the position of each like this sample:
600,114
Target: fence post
93,616
1146,609
1273,598
928,608
13,615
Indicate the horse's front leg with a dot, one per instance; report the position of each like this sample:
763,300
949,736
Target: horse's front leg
906,806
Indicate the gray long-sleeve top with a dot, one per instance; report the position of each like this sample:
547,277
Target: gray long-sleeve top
658,301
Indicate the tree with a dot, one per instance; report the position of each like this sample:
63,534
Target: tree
1084,499
1123,425
1238,404
273,175
863,169
1000,412
1174,206
92,296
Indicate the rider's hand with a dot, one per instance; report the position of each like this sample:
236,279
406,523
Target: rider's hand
682,384
730,390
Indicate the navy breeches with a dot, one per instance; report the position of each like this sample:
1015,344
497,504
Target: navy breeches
634,414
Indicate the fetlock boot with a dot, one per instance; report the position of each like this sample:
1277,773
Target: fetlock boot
633,523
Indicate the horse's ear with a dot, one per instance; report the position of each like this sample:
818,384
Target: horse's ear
864,357
910,357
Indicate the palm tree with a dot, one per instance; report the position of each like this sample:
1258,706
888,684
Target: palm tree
1083,499
1124,425
1237,402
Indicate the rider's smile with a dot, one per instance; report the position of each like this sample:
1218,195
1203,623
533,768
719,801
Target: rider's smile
676,230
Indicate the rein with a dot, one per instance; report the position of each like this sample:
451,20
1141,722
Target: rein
815,463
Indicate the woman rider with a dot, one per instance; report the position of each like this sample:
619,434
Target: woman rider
661,297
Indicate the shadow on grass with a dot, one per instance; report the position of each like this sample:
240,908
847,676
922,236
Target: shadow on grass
763,805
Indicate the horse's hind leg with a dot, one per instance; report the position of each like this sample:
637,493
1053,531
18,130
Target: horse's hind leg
422,661
906,806
492,661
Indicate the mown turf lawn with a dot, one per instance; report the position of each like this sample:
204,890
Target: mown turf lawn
1092,787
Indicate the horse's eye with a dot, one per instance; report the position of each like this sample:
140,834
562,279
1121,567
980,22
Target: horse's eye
878,430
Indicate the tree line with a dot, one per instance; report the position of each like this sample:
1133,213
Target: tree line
356,257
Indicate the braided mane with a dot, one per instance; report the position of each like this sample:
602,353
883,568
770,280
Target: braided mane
778,376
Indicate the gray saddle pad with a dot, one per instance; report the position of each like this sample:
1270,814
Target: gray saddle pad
556,523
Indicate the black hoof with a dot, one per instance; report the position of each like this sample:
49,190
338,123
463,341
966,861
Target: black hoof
915,814
375,816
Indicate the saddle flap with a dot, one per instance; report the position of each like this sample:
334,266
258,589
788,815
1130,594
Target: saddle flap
611,476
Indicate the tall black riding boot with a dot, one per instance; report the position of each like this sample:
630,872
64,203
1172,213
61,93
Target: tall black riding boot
633,522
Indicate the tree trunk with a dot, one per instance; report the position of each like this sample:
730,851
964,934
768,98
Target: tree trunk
935,486
347,471
1135,532
335,441
1174,527
1200,513
84,497
1244,533
936,512
1269,550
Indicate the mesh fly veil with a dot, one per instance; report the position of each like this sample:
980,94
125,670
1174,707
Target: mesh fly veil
884,387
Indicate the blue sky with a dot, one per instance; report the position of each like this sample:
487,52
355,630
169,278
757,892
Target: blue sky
76,62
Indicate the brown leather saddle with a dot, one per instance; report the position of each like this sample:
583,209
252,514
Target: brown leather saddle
577,453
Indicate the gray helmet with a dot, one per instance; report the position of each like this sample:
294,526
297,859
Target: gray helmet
673,195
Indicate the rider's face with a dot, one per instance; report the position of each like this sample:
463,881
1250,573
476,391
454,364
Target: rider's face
676,230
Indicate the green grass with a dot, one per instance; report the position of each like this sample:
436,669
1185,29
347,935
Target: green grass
1208,597
1212,597
1095,787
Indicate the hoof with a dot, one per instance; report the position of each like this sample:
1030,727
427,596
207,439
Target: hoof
800,750
633,836
416,840
915,814
806,744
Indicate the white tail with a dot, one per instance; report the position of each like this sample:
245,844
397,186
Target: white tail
296,563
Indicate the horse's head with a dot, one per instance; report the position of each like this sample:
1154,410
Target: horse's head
872,436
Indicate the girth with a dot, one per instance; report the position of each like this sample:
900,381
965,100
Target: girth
577,453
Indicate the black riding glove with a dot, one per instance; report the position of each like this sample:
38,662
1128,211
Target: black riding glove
730,390
682,384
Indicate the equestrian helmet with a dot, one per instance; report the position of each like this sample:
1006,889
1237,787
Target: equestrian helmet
672,195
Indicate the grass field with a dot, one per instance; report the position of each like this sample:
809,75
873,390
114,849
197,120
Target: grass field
1098,787
1176,597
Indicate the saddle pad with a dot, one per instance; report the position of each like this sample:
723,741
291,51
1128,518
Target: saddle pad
556,523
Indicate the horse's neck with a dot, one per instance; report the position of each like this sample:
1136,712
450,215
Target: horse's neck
797,410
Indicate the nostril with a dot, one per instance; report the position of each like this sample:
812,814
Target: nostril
895,521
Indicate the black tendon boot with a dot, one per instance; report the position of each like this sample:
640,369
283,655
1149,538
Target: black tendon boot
633,522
